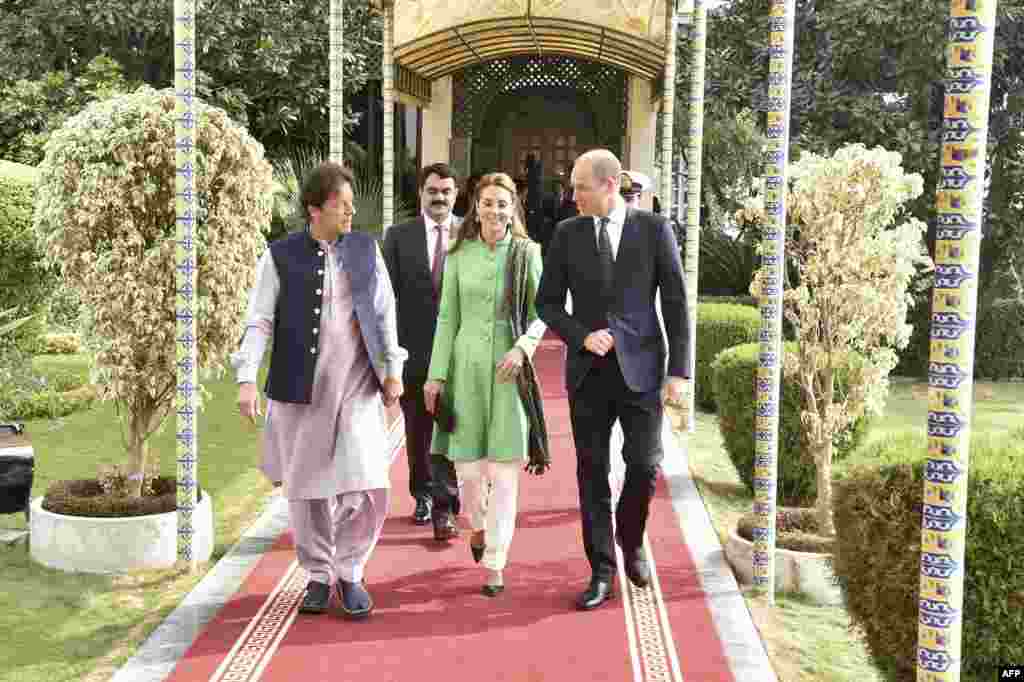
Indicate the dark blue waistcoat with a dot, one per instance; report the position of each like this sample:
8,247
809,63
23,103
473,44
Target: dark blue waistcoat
301,267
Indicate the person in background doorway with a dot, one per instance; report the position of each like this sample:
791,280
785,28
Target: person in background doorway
632,185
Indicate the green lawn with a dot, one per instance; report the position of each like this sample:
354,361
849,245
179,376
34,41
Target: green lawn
60,626
807,642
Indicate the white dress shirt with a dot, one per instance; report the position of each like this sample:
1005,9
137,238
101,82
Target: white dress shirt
446,232
616,219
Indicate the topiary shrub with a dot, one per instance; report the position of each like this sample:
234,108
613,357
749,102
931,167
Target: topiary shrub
999,341
999,345
720,326
877,554
106,212
736,300
734,372
25,281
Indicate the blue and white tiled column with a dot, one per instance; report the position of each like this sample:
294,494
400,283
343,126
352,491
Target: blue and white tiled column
186,122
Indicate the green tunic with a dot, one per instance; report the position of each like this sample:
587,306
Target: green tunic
473,335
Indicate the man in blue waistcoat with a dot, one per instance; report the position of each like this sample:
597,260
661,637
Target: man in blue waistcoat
325,298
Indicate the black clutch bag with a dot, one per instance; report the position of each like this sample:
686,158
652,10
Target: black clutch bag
444,417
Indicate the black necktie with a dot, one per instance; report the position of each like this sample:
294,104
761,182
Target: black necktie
604,252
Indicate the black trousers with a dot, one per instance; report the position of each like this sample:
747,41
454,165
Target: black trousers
601,398
430,475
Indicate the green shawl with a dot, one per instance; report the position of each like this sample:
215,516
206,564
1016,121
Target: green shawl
517,298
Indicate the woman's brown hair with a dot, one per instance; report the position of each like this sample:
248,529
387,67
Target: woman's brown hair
470,227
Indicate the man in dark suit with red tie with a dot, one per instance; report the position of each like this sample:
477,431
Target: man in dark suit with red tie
613,260
415,255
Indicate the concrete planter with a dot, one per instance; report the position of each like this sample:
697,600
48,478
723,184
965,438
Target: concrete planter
85,544
808,573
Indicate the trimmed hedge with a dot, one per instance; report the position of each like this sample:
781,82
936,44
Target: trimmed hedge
734,371
878,507
24,282
720,326
736,300
999,341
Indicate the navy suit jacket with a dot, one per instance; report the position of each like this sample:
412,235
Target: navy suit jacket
405,253
647,262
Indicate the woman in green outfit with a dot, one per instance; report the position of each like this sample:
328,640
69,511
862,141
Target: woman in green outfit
476,362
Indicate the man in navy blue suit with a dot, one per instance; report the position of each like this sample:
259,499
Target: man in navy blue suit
613,260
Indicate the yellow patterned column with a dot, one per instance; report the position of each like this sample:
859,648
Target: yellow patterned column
695,155
337,81
668,108
972,26
769,366
186,201
387,93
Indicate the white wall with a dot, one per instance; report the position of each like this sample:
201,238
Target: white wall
437,122
642,124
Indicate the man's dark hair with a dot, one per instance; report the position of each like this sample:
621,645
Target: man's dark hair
326,178
441,170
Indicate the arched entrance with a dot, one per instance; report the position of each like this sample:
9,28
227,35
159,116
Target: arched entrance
497,82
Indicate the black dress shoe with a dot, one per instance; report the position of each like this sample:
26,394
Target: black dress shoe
444,527
356,602
598,593
318,596
421,516
637,569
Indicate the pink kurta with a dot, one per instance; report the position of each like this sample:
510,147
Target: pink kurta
337,443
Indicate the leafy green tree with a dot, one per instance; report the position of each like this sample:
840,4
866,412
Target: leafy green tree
263,61
31,110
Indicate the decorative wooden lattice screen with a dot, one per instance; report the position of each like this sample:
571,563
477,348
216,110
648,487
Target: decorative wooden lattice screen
603,86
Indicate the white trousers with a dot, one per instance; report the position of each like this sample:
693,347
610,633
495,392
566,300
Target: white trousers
489,498
335,536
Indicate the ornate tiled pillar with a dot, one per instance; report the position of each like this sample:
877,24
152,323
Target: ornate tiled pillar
185,123
769,365
961,190
694,156
337,81
387,94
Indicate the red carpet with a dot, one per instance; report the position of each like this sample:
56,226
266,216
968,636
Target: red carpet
432,622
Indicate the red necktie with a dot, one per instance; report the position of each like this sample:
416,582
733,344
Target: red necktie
437,270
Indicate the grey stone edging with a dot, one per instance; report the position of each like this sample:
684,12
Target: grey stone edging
167,644
740,639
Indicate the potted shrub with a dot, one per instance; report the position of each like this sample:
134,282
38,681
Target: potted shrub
851,252
105,211
803,554
854,251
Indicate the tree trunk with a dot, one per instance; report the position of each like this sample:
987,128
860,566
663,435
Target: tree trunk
823,503
138,451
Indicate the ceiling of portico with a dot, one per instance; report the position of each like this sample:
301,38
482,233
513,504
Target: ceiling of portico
438,37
